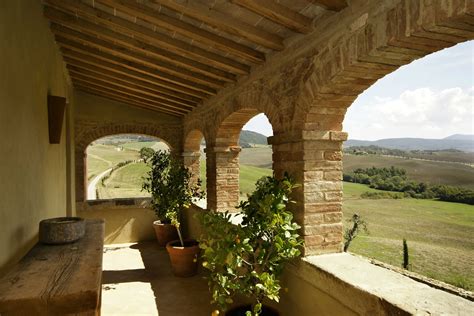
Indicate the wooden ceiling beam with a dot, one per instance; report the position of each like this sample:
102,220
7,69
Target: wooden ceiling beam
224,22
124,99
172,81
65,20
112,87
120,80
334,5
135,57
158,19
96,62
78,8
94,77
135,97
278,14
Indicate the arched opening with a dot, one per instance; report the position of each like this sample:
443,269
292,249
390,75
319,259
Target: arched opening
408,166
116,165
194,158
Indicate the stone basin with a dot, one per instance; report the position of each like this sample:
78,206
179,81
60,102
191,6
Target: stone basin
61,230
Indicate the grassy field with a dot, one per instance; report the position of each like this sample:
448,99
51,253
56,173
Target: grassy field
418,170
125,182
439,234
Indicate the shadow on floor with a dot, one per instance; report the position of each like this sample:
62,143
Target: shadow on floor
173,296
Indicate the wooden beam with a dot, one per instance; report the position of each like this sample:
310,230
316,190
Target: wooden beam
188,30
128,96
135,57
141,32
224,22
116,84
334,5
60,18
131,92
278,14
123,81
123,99
167,80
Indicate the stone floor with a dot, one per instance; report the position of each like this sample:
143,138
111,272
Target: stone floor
137,280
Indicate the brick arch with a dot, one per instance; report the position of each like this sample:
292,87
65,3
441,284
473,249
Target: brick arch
192,141
87,132
408,31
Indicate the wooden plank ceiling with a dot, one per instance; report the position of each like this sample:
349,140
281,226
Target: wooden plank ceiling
170,55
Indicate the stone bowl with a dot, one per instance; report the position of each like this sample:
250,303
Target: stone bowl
61,230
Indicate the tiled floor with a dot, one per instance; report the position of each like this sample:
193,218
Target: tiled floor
137,280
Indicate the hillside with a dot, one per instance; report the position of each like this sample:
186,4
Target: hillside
460,142
249,137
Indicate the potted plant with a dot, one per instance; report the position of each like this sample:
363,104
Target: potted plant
171,187
249,258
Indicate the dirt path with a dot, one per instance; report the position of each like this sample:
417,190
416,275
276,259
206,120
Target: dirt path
91,192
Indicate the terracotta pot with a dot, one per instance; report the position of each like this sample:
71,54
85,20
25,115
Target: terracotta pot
240,311
184,260
164,233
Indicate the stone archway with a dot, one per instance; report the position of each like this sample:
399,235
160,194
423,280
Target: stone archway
87,132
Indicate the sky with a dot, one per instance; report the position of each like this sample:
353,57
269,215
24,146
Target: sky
432,97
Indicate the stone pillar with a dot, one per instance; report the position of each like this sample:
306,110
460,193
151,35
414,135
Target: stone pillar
314,160
222,174
191,161
80,176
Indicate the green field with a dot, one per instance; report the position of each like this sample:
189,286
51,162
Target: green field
439,234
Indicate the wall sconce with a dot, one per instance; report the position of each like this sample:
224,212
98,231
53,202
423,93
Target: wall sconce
56,107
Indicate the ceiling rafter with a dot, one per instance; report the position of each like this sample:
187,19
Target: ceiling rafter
172,82
124,99
224,22
144,33
100,63
83,26
121,85
139,95
278,14
119,51
334,5
174,25
130,83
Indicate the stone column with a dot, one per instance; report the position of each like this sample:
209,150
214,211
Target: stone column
314,160
191,161
81,176
222,174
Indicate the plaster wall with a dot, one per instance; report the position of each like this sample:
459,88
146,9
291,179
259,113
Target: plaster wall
33,173
126,220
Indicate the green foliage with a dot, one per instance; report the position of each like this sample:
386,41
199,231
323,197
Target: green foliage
405,254
248,258
146,153
351,233
171,187
395,179
381,195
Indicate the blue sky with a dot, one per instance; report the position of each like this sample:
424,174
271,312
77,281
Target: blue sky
433,97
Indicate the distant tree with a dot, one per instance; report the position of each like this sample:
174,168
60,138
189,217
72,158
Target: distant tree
146,153
351,233
406,257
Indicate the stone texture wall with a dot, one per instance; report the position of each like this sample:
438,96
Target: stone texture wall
305,92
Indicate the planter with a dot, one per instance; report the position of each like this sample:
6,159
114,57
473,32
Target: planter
240,311
61,230
184,260
164,233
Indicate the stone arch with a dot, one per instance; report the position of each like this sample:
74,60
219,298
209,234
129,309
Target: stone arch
87,132
192,152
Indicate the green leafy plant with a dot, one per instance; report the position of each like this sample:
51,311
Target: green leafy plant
248,258
171,188
351,233
146,153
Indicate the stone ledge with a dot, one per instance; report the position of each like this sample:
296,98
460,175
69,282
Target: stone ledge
390,292
114,204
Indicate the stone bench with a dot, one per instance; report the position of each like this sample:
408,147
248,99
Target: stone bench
57,279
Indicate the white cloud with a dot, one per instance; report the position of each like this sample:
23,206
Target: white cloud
415,113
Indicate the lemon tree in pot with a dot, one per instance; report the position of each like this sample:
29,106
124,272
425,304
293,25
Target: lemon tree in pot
248,259
171,187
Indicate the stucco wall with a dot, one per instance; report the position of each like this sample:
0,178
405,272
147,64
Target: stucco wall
126,220
33,173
